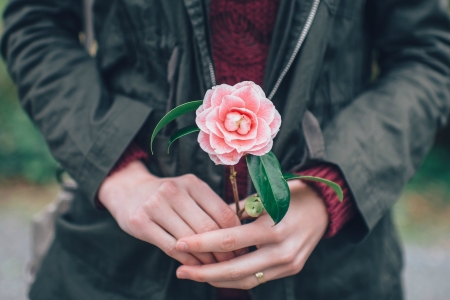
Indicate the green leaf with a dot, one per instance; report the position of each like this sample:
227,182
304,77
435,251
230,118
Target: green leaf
270,184
172,115
336,188
182,132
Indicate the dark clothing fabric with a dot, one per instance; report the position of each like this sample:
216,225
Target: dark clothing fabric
156,54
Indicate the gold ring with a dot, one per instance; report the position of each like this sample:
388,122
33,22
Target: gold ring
260,277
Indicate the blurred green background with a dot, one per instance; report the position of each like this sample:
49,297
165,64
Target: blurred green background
27,184
23,153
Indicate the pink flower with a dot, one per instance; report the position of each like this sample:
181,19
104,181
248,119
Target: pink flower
236,120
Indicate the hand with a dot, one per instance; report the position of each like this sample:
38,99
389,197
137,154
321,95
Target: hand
282,249
162,210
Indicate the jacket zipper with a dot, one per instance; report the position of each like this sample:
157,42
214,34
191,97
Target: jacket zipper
212,72
301,39
309,20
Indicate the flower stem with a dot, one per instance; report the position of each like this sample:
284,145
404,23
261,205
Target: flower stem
239,214
235,191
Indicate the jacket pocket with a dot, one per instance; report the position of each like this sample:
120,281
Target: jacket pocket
93,249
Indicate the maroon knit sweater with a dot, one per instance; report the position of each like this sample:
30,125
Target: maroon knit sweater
241,34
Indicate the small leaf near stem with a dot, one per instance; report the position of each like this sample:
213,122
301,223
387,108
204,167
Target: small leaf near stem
180,133
172,115
336,188
235,191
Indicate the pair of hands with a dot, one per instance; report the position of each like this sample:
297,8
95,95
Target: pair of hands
189,222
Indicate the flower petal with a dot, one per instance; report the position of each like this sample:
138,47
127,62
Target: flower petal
200,120
203,141
263,134
211,121
266,110
262,150
242,145
275,125
229,136
215,159
220,91
207,98
200,109
219,145
250,97
229,102
251,84
230,159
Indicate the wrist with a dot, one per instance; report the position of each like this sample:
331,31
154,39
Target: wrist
312,200
123,180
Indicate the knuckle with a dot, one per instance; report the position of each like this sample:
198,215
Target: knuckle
228,217
278,234
297,266
208,226
153,203
135,221
228,242
168,188
170,248
191,178
235,273
287,257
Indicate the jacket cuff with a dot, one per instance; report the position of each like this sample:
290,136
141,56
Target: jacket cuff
110,143
339,212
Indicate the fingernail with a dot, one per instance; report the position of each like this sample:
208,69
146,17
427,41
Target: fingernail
182,246
182,275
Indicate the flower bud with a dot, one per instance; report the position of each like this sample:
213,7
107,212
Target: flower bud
254,206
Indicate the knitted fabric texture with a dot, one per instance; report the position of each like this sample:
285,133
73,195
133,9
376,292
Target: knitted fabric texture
339,213
133,152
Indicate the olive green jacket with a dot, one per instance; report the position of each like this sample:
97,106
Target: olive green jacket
154,55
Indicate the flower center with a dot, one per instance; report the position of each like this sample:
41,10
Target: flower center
237,122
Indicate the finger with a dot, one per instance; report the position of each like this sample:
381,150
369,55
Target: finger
211,203
252,281
235,269
174,225
155,235
259,232
199,221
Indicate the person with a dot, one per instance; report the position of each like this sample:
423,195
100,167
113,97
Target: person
155,226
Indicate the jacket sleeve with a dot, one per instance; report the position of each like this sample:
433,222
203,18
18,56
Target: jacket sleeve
59,85
380,140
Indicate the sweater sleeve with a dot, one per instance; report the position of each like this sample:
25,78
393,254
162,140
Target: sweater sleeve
339,212
133,152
